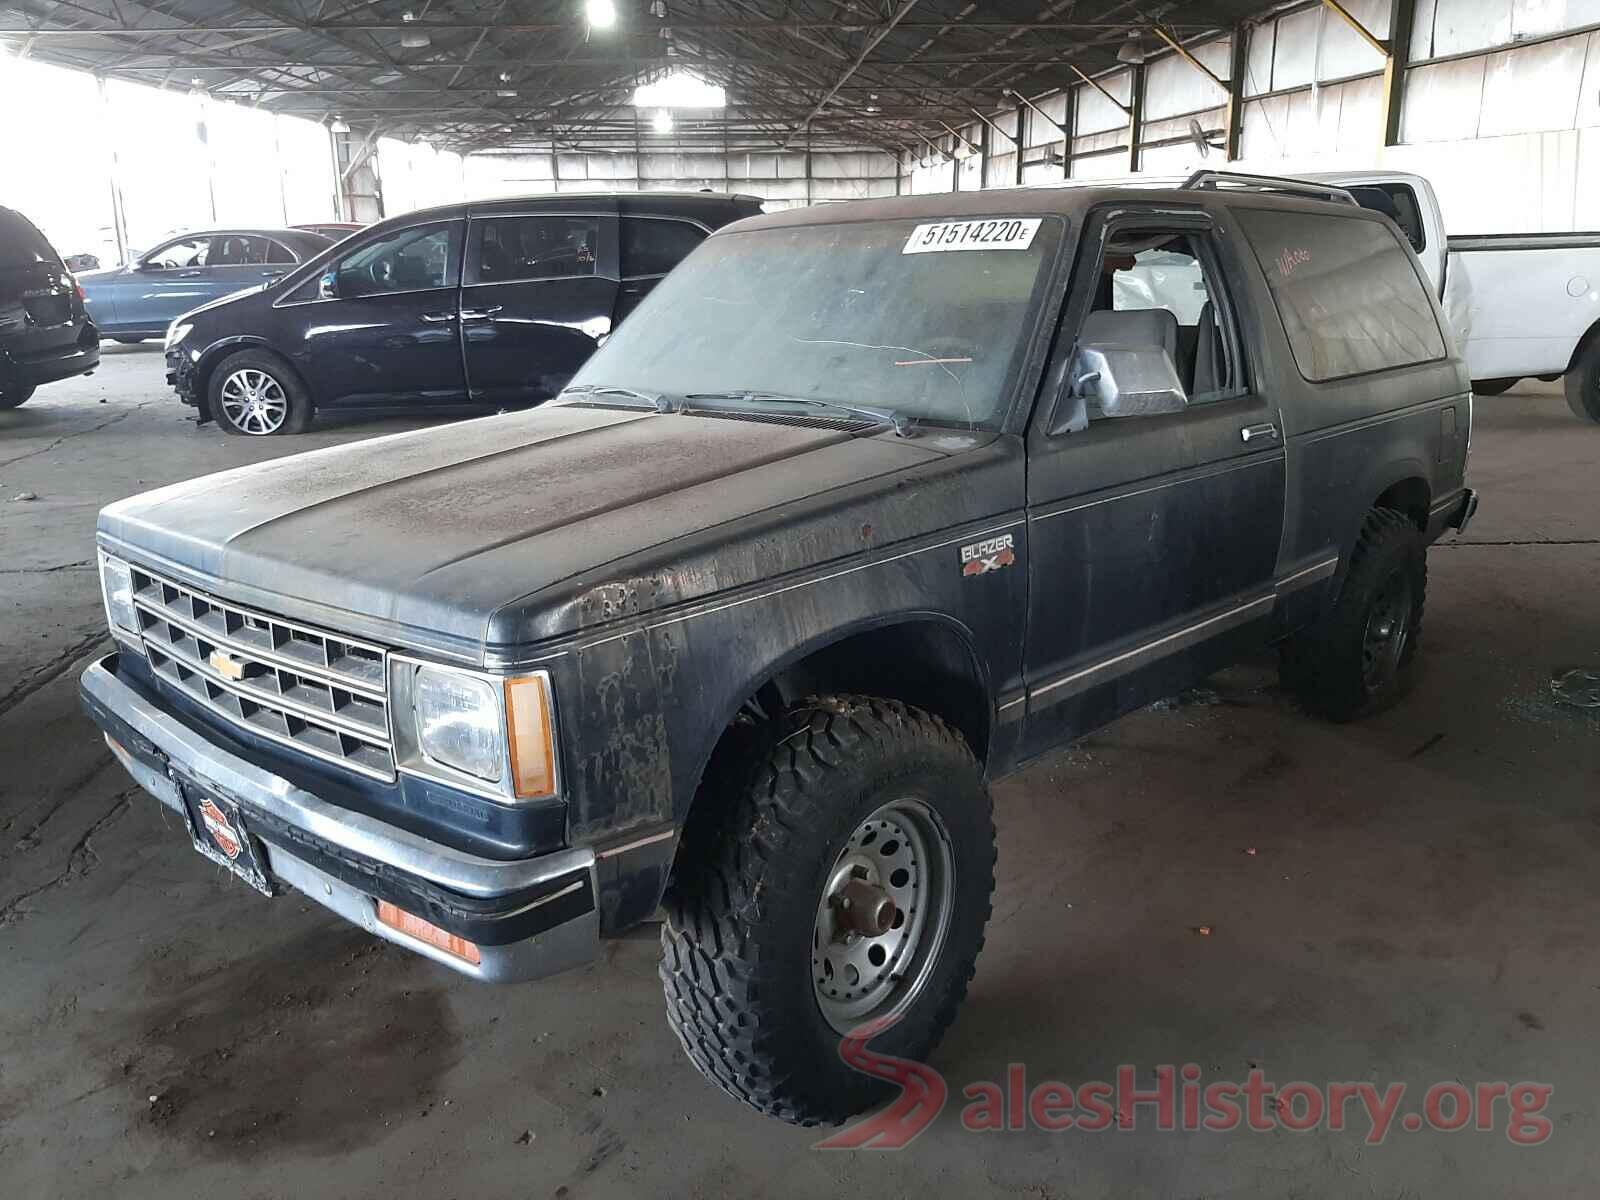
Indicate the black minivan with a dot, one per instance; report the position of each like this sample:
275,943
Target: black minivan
45,331
488,303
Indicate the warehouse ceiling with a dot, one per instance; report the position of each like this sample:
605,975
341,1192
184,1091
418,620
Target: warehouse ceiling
519,74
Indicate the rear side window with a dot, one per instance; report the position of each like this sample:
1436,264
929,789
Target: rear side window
527,248
654,245
1349,295
21,245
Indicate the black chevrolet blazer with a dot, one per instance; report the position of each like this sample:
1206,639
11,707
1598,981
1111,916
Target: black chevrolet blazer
866,506
489,303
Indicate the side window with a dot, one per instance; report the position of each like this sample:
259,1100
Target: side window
1160,286
1399,203
1349,295
654,245
525,248
402,260
277,252
195,252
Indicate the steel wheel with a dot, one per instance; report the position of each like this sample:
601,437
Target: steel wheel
254,402
1383,645
884,915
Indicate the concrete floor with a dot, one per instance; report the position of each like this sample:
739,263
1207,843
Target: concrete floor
1421,905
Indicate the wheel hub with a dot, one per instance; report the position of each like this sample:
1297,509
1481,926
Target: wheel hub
883,915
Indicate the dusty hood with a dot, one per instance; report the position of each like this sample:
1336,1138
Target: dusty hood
431,531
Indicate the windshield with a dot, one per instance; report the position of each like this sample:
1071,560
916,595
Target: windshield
923,319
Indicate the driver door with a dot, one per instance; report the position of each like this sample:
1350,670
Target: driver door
380,325
1153,540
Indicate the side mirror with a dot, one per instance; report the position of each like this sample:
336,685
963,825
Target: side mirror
1128,381
328,286
148,264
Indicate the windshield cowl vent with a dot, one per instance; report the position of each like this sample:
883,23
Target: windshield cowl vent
801,420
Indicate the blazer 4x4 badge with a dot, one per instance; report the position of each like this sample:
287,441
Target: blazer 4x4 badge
979,558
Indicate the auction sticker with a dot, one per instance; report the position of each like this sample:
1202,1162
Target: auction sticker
1007,233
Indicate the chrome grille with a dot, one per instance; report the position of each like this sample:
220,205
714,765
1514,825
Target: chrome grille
318,692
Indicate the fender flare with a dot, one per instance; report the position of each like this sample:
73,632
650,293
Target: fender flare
761,675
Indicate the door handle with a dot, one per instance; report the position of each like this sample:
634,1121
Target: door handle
438,318
188,274
1266,432
480,314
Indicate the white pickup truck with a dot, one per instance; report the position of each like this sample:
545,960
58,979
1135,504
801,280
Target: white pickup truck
1520,304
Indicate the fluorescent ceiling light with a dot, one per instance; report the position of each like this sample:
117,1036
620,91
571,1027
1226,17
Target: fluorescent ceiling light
662,122
601,14
680,89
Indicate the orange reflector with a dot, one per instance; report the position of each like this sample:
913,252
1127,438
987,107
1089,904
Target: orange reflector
416,927
533,764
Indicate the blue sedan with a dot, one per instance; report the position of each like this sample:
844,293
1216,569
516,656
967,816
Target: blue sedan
140,300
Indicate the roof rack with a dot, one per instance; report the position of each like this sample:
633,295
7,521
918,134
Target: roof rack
1217,180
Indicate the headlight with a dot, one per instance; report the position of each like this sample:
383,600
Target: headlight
177,331
458,722
116,588
491,734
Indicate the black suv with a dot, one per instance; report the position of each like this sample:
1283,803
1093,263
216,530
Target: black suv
867,505
45,332
492,303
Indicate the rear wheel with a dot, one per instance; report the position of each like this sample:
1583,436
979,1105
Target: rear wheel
14,395
255,395
1357,659
842,877
1582,384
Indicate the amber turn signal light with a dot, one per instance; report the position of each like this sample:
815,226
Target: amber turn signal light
530,736
424,931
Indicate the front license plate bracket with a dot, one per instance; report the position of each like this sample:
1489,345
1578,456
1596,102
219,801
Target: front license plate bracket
220,832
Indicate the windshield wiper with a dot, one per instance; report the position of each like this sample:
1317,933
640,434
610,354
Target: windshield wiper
901,422
660,401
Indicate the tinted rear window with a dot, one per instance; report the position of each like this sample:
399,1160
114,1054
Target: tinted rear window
1350,297
21,245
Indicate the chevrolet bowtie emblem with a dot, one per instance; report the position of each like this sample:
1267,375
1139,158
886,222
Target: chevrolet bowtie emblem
226,665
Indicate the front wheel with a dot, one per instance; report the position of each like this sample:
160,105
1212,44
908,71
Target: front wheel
14,395
840,878
254,394
1357,659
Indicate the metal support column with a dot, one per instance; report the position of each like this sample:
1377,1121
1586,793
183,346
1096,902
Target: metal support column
1236,75
1135,114
1069,125
1022,138
1402,14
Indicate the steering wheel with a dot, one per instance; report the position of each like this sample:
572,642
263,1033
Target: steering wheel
382,273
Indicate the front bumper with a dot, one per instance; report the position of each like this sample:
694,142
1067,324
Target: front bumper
527,918
180,374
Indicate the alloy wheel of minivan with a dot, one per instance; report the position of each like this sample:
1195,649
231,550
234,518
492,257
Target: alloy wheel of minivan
254,402
255,393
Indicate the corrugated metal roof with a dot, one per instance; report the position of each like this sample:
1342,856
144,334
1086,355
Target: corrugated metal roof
477,74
